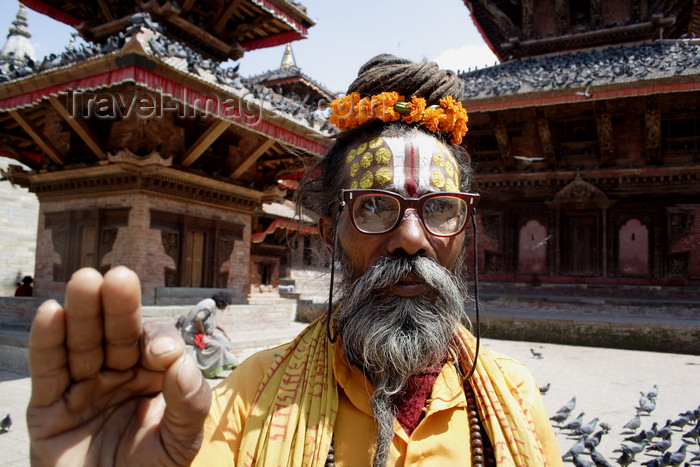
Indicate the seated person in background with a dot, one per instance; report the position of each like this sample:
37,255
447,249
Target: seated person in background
391,376
25,289
212,346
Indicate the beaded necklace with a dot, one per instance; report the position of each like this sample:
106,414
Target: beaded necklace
481,449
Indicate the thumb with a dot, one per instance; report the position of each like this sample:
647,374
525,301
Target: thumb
187,397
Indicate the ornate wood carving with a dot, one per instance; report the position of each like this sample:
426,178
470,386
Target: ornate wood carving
652,127
605,134
80,127
502,139
492,225
37,136
528,17
205,140
680,224
580,194
560,9
597,12
545,135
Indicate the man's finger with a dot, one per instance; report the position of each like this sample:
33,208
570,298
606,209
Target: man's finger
84,323
121,299
47,354
161,345
188,397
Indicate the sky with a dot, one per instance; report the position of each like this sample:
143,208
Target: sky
345,36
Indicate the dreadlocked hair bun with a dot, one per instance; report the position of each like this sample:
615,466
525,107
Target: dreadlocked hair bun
424,79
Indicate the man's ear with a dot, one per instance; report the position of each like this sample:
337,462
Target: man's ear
325,229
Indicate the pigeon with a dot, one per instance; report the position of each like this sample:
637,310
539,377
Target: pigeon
559,417
569,406
625,459
599,459
633,449
6,423
536,354
643,434
665,431
605,426
578,462
588,428
654,392
647,407
577,448
694,432
681,422
655,462
633,424
677,457
593,441
661,446
574,424
545,388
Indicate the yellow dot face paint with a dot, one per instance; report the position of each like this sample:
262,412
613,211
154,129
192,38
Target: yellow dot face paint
415,164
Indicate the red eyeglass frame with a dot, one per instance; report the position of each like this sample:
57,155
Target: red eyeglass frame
470,199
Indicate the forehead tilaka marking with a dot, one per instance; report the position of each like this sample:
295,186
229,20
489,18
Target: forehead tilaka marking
416,164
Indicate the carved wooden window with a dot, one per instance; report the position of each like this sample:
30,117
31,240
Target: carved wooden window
199,247
578,140
83,238
680,134
483,146
579,13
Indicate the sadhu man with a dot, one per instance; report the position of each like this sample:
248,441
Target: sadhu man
391,375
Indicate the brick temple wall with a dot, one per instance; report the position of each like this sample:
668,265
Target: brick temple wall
138,246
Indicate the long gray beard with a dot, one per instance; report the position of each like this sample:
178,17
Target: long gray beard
392,338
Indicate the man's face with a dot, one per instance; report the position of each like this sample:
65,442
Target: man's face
411,166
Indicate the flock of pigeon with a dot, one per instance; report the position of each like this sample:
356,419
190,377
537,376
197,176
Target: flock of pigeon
676,443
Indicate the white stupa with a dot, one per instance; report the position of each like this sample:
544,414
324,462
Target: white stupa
18,48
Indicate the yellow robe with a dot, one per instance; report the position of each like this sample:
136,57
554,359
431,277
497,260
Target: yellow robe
441,438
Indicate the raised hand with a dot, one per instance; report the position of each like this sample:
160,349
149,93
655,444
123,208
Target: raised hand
105,389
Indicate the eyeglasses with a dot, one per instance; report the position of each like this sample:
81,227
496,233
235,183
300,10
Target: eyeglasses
378,211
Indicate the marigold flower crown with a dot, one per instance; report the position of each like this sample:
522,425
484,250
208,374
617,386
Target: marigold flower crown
449,117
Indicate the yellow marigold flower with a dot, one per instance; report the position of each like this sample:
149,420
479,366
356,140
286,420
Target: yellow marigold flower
354,185
366,160
354,168
361,148
451,186
417,106
351,156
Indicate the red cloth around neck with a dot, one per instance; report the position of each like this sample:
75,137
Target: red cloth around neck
410,401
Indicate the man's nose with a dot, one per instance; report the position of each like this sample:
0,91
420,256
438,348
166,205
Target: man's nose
410,237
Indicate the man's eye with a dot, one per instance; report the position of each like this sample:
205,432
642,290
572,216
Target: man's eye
375,206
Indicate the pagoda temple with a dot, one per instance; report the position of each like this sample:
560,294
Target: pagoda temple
144,150
586,142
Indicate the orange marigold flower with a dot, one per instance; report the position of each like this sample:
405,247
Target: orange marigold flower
383,106
432,118
417,106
